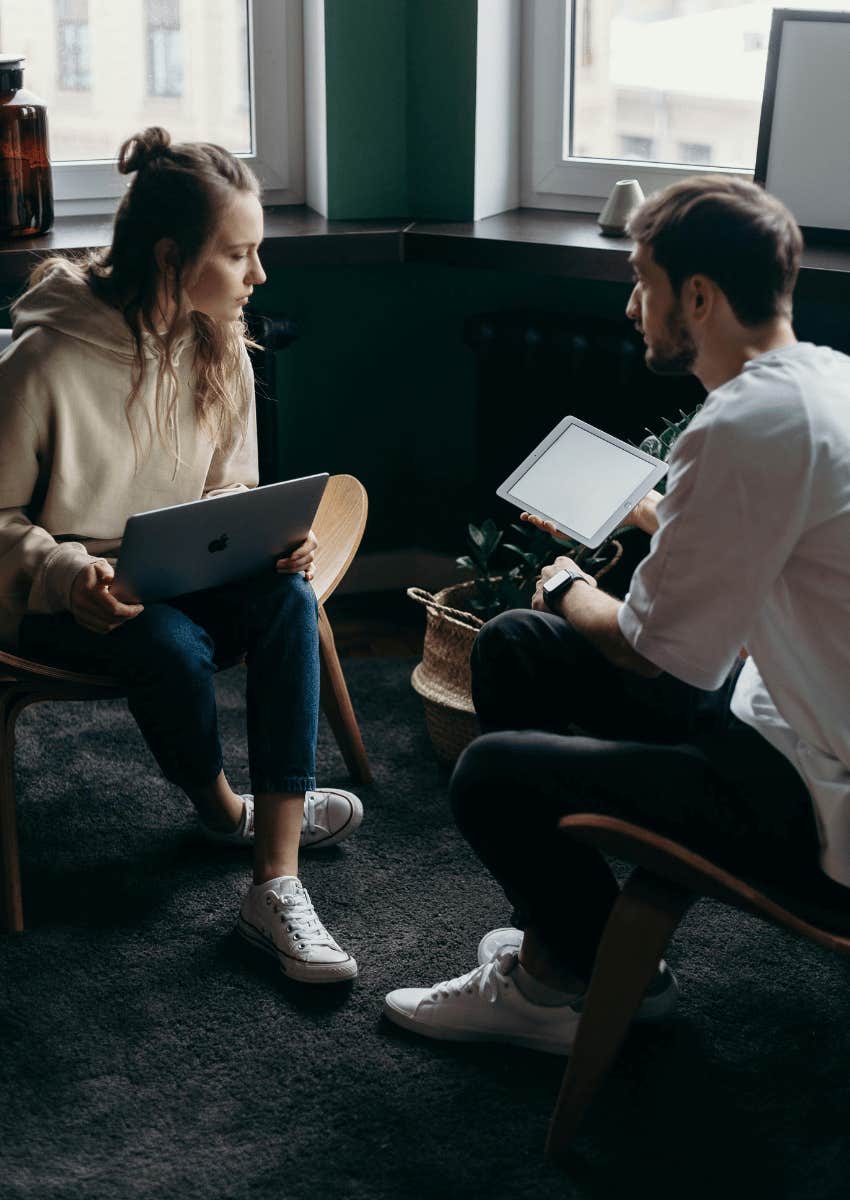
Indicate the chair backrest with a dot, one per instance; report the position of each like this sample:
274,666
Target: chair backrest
676,863
339,527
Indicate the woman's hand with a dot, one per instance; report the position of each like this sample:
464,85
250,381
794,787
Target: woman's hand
301,558
92,604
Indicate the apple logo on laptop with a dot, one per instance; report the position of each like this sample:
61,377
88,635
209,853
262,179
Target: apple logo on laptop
219,543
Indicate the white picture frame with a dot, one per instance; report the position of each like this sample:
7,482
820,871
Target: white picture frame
803,154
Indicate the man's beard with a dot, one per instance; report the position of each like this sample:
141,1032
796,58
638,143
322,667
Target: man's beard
677,354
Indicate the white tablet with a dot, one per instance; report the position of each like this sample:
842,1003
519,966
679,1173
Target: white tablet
582,480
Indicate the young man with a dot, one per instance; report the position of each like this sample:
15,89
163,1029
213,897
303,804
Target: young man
744,755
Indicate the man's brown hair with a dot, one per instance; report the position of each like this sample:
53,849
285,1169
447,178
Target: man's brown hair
734,232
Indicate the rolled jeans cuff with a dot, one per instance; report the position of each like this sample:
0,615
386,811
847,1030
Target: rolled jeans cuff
295,784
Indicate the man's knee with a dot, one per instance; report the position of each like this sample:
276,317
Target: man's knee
480,778
504,635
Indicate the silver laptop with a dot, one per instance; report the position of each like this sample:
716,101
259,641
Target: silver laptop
169,551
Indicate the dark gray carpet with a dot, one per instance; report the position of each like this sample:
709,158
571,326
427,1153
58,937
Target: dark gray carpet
145,1053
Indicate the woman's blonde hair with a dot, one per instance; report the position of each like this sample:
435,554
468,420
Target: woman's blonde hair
179,193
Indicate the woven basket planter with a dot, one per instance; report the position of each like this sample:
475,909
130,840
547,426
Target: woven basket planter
442,678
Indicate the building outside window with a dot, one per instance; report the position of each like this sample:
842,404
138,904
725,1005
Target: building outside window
676,84
72,45
243,57
241,86
635,147
164,48
698,153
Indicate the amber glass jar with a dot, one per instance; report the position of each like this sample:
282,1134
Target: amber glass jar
26,187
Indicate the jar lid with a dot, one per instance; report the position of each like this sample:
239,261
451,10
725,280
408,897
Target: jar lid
11,73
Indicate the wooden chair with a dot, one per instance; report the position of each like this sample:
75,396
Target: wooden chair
667,879
339,527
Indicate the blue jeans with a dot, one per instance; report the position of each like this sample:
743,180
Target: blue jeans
167,658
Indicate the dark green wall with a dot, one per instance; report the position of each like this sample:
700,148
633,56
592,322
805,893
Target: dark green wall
441,57
400,90
366,71
381,384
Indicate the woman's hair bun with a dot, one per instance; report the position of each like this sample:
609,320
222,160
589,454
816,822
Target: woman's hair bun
142,149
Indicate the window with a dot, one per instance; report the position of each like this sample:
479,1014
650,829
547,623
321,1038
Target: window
698,153
227,71
636,147
243,56
72,45
164,48
674,84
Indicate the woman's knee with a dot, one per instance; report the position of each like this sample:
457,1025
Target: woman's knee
164,643
289,596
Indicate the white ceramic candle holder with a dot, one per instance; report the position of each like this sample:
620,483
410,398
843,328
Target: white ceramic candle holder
626,195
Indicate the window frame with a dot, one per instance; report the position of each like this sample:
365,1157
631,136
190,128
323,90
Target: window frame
549,180
277,121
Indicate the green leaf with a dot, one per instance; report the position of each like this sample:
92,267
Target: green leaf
476,535
525,555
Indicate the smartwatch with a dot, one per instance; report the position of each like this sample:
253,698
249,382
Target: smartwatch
558,585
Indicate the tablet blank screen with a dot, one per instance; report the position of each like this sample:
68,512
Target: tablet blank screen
581,480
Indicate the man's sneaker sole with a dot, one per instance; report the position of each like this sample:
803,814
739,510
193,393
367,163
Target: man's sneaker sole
527,1041
293,967
654,1007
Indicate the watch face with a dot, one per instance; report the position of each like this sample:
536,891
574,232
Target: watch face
555,587
558,581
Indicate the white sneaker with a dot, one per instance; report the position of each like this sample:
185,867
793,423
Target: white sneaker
661,996
507,938
278,917
242,835
330,816
484,1005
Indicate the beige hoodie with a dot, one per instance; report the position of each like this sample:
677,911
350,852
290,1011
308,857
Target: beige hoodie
68,472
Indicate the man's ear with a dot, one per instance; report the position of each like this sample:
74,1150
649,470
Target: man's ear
698,296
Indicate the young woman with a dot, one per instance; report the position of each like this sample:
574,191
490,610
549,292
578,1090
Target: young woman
128,387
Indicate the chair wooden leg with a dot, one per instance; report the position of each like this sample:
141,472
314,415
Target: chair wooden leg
640,926
11,906
338,707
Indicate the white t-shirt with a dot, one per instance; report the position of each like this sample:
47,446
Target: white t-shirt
753,550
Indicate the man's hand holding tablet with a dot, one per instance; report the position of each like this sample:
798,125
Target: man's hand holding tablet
643,516
582,482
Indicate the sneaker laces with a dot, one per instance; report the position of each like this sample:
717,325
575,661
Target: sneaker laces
486,978
308,825
296,912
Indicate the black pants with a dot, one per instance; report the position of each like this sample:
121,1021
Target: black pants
567,732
